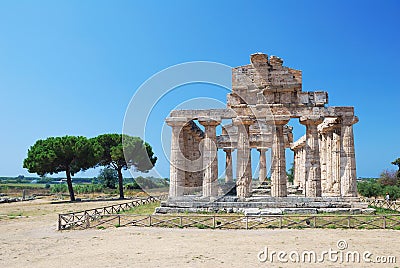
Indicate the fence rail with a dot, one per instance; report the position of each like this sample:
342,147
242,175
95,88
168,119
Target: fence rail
108,216
83,218
382,203
249,222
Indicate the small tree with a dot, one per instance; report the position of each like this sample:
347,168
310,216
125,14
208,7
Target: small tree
397,163
67,154
122,152
108,177
388,177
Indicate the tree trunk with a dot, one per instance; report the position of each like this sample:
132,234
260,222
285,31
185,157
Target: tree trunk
120,183
69,182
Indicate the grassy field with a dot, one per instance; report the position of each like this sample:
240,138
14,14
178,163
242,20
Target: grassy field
22,186
145,209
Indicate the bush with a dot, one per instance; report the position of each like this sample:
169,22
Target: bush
47,186
108,177
388,177
88,188
394,191
59,188
373,188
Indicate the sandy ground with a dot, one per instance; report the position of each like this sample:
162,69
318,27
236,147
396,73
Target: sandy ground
33,241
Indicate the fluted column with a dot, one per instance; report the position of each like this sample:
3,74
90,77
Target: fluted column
329,180
278,161
303,168
262,164
296,167
210,158
228,165
177,159
313,168
323,160
335,164
243,165
347,158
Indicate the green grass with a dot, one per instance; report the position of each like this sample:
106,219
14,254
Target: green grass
143,209
383,211
22,185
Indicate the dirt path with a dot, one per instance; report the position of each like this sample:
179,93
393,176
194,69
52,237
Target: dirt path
33,241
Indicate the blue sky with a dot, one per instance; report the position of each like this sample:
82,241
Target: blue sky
71,67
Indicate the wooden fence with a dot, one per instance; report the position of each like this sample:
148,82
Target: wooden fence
107,217
82,219
381,203
249,222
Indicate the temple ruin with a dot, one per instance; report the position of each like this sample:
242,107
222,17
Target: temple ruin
265,96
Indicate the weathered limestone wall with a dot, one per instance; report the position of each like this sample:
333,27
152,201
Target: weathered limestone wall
267,81
192,137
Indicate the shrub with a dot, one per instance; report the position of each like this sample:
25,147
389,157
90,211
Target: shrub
59,188
388,177
88,188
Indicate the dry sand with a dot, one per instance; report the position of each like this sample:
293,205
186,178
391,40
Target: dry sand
33,241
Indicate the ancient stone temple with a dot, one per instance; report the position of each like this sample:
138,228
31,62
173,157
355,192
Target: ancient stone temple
265,96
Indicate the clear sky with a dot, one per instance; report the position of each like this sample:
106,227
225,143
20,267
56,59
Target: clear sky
71,67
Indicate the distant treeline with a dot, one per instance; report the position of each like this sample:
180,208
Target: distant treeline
94,180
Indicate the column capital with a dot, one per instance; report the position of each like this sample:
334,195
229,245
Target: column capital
176,121
243,120
278,120
206,121
349,120
311,120
262,149
228,149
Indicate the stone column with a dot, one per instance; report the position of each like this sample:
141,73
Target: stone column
296,166
323,160
335,164
177,159
210,158
228,165
243,165
263,164
327,190
312,164
347,158
303,169
278,161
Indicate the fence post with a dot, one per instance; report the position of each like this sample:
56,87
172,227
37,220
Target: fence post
280,222
384,222
150,220
59,222
213,221
180,221
247,222
119,220
315,221
87,220
348,221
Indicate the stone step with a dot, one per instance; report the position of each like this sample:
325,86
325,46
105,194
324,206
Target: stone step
259,204
266,211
